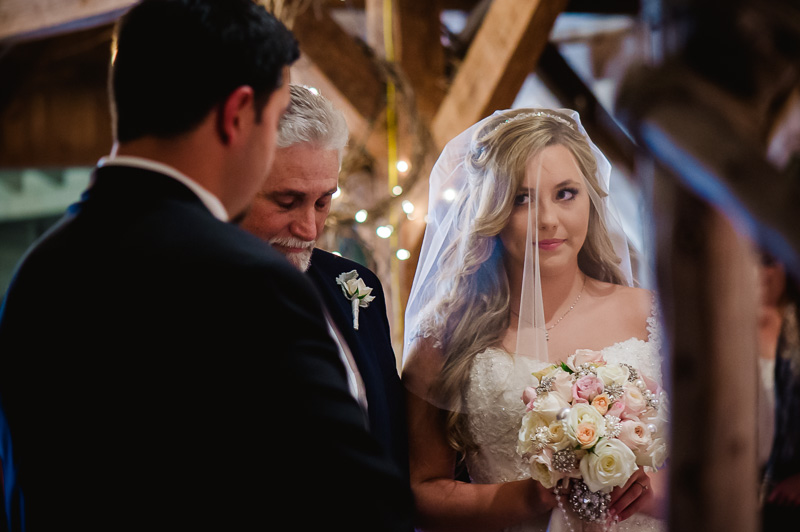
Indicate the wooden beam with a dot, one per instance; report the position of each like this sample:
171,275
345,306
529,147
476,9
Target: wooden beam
342,60
54,108
421,55
570,89
25,19
505,50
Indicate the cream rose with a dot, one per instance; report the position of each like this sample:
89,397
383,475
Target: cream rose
584,356
635,435
655,455
542,469
562,385
613,374
584,425
531,421
558,437
549,404
635,403
610,464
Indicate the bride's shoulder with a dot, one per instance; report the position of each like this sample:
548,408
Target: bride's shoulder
630,307
618,297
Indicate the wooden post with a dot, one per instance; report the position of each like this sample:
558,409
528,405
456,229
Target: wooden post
707,279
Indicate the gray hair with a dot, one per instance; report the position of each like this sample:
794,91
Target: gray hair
312,119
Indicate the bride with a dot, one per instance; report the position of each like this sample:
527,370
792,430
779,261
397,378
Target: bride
523,263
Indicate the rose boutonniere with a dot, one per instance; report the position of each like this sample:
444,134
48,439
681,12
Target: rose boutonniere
356,291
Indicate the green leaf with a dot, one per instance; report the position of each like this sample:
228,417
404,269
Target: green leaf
566,368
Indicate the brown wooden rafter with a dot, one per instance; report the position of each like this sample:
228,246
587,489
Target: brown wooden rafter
505,50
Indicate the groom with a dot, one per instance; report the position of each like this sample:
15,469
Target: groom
290,213
161,369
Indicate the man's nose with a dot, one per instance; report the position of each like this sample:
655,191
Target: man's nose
304,225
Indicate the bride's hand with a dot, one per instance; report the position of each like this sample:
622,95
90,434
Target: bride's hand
632,497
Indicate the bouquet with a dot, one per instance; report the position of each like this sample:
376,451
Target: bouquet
592,424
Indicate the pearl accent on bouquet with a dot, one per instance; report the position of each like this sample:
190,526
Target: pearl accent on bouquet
562,414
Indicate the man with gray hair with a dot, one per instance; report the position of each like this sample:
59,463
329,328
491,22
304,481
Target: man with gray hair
289,212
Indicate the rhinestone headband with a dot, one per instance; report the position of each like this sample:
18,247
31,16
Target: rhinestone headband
528,115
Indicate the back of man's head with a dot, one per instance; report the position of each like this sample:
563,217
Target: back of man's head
177,59
312,119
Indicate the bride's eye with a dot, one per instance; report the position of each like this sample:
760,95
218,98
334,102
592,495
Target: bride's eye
522,199
567,194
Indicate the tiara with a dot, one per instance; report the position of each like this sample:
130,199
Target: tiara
535,113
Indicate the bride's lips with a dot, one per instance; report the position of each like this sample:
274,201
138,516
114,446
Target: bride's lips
550,243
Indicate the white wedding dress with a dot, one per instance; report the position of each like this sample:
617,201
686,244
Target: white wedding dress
493,399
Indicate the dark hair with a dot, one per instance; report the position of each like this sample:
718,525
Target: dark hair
177,59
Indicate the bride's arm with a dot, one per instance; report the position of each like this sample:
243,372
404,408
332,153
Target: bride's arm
443,503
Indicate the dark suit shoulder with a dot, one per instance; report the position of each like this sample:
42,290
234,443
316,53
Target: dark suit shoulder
328,264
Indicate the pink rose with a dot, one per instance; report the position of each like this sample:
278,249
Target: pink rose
528,397
616,409
584,356
586,388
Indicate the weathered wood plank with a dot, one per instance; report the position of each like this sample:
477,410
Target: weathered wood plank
21,19
504,51
342,60
420,52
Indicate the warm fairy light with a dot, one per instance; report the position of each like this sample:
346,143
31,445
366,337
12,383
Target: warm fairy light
361,216
403,254
397,190
449,194
313,89
337,193
337,253
384,231
408,207
402,166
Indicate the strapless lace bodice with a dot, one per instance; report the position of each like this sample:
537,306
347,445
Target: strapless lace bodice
493,401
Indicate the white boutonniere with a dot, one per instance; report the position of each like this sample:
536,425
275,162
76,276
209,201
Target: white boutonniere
356,291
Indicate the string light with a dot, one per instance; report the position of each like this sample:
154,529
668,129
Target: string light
397,190
313,89
408,207
337,193
402,166
403,254
384,231
337,253
449,194
361,216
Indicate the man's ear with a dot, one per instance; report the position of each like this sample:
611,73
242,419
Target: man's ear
230,118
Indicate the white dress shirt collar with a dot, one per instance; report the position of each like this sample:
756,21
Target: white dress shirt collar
211,202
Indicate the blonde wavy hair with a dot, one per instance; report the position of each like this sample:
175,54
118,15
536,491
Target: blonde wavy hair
471,310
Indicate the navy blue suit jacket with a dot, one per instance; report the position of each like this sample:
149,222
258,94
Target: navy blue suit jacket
371,346
163,370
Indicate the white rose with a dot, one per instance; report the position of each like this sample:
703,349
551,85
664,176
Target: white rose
613,374
531,421
655,455
635,435
584,425
610,464
549,404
